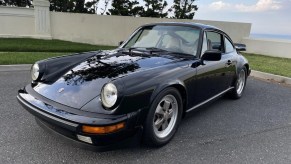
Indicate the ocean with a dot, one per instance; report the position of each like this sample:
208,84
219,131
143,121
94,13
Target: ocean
271,36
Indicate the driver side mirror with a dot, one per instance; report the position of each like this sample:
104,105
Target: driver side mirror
208,56
211,56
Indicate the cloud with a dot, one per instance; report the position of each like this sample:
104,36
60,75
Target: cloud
261,5
219,5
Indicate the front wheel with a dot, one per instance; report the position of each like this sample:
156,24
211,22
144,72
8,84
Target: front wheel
163,118
240,84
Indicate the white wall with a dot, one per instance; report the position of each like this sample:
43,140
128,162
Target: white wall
16,22
109,30
276,48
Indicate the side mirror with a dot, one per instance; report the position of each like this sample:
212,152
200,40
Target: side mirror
240,47
120,43
208,56
211,56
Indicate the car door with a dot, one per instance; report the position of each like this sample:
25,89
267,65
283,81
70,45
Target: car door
211,78
229,59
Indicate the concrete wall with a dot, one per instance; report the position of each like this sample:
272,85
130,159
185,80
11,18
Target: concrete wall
276,48
16,22
109,30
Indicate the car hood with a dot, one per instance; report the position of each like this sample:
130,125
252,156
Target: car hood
84,80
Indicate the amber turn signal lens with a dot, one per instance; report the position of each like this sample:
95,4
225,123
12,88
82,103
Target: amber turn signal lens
103,129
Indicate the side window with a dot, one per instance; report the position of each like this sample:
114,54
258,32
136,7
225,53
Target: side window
214,41
228,46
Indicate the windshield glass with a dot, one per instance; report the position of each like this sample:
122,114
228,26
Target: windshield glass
180,39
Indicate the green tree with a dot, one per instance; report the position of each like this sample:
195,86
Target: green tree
62,5
125,8
76,6
184,9
19,3
154,8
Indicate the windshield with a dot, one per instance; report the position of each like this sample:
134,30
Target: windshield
180,39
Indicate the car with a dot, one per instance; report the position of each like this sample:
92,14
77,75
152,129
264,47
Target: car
142,89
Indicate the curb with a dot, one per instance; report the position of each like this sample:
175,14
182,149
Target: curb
268,76
18,67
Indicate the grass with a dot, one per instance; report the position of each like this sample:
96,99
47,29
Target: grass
274,65
28,51
25,57
39,45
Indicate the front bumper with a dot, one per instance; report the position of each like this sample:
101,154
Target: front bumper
68,122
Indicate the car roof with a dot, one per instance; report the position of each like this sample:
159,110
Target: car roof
199,25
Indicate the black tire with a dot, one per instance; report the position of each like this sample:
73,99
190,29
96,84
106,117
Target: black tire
150,136
236,93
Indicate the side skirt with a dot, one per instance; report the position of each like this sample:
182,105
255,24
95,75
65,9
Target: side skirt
208,100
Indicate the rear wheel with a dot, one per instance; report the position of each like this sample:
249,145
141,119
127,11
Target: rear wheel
163,118
240,84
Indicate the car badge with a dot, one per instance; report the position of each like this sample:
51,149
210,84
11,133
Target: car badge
61,90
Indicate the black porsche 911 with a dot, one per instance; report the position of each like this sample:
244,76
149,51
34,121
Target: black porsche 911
145,86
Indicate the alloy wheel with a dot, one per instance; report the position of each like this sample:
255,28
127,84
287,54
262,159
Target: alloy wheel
165,116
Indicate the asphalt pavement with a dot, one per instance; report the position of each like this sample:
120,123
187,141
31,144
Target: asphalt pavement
253,129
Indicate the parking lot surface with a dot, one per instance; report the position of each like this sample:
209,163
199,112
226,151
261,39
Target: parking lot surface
254,129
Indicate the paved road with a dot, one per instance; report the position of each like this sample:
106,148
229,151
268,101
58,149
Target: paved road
254,129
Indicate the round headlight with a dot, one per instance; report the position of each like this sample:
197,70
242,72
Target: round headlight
34,72
109,95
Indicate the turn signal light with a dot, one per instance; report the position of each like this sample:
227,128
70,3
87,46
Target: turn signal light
103,129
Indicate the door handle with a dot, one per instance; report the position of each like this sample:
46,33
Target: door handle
228,63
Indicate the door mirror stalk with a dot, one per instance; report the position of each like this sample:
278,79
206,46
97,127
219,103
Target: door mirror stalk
120,43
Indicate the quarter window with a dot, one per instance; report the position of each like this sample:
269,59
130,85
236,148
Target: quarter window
228,46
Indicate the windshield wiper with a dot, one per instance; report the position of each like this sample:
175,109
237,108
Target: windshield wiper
155,49
150,49
181,54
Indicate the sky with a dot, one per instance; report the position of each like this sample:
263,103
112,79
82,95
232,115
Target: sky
266,16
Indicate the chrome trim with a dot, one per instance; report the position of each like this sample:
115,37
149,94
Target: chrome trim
45,114
206,101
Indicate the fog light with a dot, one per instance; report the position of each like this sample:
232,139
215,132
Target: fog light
85,139
103,129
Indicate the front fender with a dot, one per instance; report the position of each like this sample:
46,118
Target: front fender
142,94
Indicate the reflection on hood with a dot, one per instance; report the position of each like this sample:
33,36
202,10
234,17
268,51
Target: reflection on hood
109,67
112,65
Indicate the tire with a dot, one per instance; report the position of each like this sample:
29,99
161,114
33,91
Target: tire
239,85
163,118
